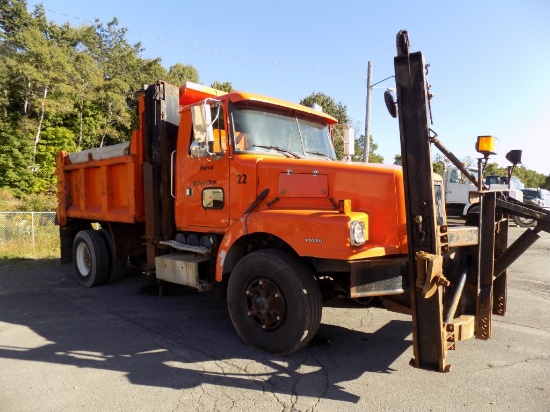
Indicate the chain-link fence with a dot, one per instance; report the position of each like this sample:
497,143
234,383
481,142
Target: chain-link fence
29,234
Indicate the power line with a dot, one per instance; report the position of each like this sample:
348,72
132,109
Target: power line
220,53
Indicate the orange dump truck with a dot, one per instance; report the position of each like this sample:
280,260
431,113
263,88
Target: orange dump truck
239,191
242,193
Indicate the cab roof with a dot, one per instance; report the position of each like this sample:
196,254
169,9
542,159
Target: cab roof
191,93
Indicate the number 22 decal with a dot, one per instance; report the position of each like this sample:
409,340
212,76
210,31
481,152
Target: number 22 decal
241,179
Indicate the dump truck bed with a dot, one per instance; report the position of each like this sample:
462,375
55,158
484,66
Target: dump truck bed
103,184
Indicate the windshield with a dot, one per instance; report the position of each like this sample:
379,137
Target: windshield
529,194
283,132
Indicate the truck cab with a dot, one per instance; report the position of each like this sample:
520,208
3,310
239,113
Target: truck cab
458,201
457,191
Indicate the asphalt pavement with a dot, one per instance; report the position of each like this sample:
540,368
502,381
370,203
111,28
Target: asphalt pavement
122,348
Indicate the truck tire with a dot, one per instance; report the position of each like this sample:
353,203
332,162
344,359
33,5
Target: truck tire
524,221
274,301
117,266
91,258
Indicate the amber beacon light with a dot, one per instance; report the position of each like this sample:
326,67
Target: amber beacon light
487,145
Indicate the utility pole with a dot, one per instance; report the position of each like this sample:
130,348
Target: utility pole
366,149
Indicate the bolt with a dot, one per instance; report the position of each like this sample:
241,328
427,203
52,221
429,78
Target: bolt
278,318
248,292
276,295
264,327
261,282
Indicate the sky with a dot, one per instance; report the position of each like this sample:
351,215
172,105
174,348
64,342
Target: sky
489,60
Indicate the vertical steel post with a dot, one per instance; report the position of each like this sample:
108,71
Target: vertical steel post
161,131
422,230
485,266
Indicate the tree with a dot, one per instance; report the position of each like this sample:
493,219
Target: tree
86,81
224,87
330,107
40,70
54,139
81,84
14,160
179,73
373,147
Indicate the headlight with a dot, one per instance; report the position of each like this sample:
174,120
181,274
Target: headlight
357,233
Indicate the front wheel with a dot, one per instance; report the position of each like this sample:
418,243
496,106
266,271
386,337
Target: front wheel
274,301
523,221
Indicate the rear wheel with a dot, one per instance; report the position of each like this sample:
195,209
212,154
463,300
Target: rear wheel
523,221
274,301
91,258
117,266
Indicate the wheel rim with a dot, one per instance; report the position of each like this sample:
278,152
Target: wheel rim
265,304
525,220
83,259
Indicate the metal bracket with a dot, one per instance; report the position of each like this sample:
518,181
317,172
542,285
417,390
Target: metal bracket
430,273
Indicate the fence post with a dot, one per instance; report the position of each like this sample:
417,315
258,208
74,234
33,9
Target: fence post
32,230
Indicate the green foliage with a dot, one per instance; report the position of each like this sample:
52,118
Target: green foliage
10,201
529,177
64,87
53,140
38,202
373,147
336,110
223,86
15,158
179,73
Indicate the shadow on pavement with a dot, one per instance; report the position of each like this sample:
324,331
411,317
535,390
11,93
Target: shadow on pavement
183,340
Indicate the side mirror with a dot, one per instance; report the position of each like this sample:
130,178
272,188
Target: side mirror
391,104
202,123
514,157
198,149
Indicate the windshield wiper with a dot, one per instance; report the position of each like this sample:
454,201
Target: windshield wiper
279,149
320,154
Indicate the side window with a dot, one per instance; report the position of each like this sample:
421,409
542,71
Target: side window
454,176
215,145
220,135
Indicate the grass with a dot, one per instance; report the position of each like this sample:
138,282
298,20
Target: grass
20,254
27,241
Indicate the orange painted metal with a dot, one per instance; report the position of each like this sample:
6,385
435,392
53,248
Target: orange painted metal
301,207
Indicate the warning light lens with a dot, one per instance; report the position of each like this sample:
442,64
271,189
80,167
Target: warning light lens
344,206
487,145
